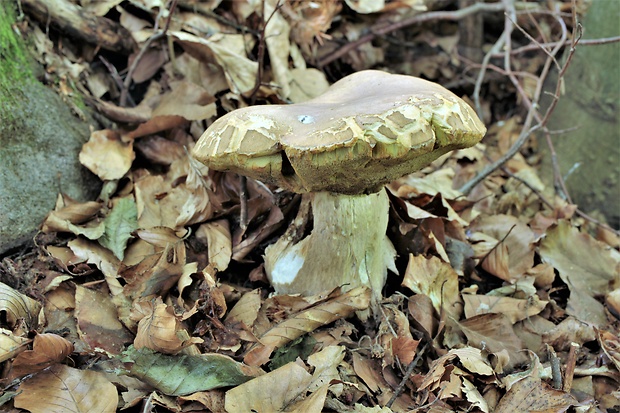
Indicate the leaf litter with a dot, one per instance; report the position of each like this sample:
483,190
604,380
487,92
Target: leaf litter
155,296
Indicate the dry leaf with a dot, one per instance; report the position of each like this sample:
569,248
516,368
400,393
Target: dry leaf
437,280
240,71
106,156
335,307
516,248
219,242
532,395
284,386
98,322
585,265
513,308
493,333
18,308
159,328
62,389
47,349
11,345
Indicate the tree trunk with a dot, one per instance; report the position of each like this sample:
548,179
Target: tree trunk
589,148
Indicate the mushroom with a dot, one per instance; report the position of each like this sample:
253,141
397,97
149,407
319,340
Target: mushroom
339,150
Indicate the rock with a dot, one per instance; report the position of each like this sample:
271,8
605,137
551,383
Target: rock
40,139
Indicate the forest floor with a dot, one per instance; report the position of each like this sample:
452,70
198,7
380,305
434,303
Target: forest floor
154,296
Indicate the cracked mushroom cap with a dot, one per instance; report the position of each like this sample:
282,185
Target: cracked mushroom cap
366,130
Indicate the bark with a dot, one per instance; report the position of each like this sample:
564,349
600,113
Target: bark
76,22
589,148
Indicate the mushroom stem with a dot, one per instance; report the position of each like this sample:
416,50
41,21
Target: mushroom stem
347,247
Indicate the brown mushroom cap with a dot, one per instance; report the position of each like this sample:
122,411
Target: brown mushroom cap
366,130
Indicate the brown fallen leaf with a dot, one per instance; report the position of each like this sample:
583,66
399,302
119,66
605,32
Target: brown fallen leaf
11,345
515,249
61,389
216,235
159,328
287,387
437,280
98,323
585,265
47,349
18,308
106,155
335,307
494,333
532,395
513,308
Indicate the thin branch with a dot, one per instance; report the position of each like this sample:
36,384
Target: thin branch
408,373
261,51
382,29
532,105
584,42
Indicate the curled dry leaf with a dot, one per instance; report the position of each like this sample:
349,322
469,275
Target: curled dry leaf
18,308
219,243
11,345
513,308
106,156
100,257
197,192
240,71
47,349
68,212
310,21
570,330
159,329
61,389
611,346
494,334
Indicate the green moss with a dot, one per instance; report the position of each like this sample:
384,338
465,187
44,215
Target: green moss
14,63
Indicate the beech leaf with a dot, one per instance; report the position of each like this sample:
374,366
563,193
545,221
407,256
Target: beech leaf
62,389
119,224
182,374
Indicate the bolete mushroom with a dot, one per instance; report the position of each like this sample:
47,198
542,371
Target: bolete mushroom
339,149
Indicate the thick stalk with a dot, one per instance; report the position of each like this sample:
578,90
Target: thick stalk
348,247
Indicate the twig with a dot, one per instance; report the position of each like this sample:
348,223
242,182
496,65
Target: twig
529,186
243,202
556,371
401,386
261,51
584,42
532,105
570,367
485,63
382,29
596,222
500,242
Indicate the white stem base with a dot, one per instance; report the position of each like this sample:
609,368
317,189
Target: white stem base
348,247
